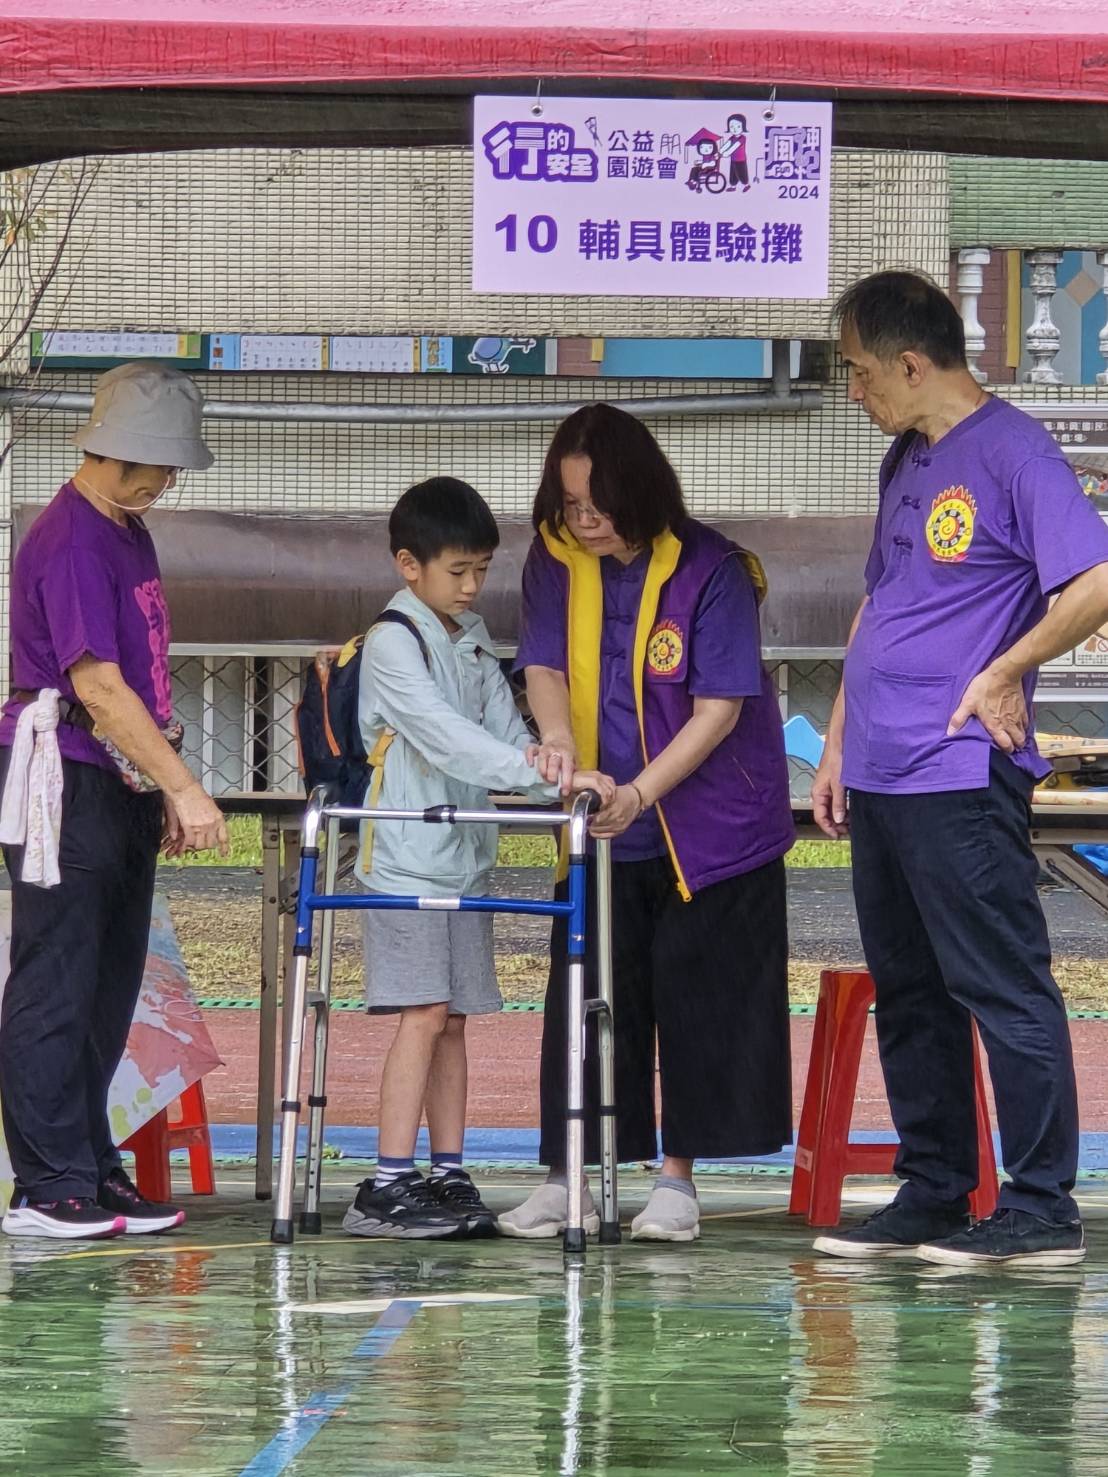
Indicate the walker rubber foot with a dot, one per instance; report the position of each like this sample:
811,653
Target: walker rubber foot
281,1233
311,1222
610,1234
574,1241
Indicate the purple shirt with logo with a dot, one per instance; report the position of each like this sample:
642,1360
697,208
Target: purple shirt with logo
725,661
973,534
83,585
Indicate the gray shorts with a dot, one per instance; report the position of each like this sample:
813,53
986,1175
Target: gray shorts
428,958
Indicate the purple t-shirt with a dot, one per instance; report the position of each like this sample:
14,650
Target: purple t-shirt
83,585
972,535
725,660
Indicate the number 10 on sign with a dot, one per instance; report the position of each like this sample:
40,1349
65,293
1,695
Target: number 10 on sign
541,233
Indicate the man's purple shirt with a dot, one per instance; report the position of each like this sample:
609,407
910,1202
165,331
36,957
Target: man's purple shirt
973,534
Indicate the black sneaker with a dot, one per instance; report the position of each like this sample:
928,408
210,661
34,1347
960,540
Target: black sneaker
143,1217
1010,1238
895,1230
456,1192
79,1219
405,1209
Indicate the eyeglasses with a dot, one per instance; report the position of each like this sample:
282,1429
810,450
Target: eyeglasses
582,513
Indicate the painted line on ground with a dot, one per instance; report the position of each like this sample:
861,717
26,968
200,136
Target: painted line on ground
130,1249
739,1215
431,1300
305,1424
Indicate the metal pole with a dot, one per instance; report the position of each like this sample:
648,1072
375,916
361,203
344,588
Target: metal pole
310,1219
755,402
574,1239
609,1190
281,1230
267,1014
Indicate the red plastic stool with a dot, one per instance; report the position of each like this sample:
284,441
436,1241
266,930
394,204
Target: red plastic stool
183,1125
825,1154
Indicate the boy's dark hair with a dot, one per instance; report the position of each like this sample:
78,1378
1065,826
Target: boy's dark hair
442,513
631,481
898,312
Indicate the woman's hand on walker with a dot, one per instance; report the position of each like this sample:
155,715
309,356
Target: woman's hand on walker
591,779
555,758
619,813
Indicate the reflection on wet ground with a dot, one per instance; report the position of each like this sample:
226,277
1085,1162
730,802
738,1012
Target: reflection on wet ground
213,1352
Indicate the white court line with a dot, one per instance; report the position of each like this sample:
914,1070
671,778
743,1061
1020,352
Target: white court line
428,1300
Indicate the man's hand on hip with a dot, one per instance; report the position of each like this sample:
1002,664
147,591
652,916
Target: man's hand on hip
995,698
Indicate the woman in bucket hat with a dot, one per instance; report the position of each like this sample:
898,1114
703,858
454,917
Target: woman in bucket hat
93,784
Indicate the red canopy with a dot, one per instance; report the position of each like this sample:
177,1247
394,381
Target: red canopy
1046,49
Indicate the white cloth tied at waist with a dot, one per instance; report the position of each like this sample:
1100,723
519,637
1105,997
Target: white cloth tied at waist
31,811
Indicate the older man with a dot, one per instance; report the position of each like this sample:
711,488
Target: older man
981,521
91,688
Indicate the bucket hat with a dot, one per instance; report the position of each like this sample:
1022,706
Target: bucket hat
146,412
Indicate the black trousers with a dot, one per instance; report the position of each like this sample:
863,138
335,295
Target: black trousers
952,927
77,956
702,986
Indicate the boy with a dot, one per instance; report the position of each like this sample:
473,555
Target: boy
456,735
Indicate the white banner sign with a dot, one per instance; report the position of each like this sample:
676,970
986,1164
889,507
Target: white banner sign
623,197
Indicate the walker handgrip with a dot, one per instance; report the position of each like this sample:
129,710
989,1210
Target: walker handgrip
442,815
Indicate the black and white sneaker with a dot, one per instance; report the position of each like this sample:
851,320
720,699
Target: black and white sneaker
456,1192
1010,1238
78,1219
895,1230
143,1217
404,1209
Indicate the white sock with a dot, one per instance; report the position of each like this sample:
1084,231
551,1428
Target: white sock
443,1164
389,1170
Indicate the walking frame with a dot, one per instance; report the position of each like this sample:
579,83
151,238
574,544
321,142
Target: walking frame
323,821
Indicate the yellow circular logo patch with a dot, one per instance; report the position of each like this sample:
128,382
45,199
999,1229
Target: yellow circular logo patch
950,525
665,648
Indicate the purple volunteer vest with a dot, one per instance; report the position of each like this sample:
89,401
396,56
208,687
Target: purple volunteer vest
733,813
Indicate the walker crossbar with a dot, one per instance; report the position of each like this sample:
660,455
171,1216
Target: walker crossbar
322,816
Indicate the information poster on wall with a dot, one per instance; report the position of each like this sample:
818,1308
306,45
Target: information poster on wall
628,197
1082,433
362,355
68,349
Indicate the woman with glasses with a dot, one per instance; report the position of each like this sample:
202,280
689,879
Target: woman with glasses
641,648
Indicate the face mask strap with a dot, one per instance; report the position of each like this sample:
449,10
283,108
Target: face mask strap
124,507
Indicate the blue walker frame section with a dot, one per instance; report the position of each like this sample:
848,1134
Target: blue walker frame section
323,821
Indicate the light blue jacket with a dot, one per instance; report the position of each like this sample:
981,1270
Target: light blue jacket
458,736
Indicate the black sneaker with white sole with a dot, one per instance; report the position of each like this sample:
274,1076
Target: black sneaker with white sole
456,1192
894,1231
404,1210
143,1217
1010,1238
76,1219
